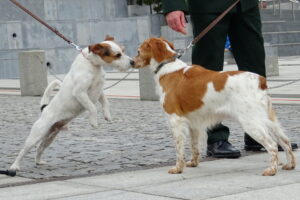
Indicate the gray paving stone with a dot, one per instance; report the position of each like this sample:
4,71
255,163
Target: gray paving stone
46,191
117,195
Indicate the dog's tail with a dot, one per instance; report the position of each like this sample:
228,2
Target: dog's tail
46,97
271,111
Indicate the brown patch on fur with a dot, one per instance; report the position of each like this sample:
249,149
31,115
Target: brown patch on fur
158,49
104,51
220,82
184,91
263,83
169,43
153,48
57,126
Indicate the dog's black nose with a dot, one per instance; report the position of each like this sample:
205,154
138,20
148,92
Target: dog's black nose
131,62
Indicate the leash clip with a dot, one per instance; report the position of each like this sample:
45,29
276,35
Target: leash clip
181,52
76,46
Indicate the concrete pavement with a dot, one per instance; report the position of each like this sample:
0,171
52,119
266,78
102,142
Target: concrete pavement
223,179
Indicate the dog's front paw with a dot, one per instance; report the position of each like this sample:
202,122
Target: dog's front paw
269,172
175,170
192,163
93,122
107,117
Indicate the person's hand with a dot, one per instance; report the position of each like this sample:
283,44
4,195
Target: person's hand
176,21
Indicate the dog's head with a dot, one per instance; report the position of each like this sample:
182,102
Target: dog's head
153,51
109,53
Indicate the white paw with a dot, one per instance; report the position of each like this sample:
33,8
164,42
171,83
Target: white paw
41,162
108,118
93,122
15,167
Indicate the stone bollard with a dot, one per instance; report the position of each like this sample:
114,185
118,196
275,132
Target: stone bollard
33,73
272,68
147,85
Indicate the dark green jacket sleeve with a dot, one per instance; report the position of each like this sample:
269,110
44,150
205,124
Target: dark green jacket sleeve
172,5
204,6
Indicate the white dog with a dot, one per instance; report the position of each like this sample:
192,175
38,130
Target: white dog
80,90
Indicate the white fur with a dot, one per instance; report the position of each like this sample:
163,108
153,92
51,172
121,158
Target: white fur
80,90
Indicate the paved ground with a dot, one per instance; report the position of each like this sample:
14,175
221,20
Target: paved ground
224,179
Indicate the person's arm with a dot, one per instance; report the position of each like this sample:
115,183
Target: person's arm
174,11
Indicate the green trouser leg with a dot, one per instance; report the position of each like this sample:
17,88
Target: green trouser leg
244,30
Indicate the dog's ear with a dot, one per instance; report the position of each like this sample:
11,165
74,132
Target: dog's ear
169,43
109,38
99,49
159,50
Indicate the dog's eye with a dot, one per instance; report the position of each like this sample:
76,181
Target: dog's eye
118,55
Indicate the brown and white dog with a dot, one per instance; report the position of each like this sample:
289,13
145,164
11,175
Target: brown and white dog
80,90
195,99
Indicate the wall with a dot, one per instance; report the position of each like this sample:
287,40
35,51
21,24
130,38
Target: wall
84,22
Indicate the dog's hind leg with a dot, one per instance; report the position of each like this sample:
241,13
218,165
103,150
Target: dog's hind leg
46,141
179,130
38,131
259,132
282,139
285,143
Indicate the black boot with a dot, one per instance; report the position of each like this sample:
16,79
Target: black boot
222,149
252,145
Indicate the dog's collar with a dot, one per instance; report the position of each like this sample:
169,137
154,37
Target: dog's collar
178,54
84,55
164,63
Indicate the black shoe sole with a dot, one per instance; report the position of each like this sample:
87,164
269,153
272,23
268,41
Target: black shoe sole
253,147
232,155
259,147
